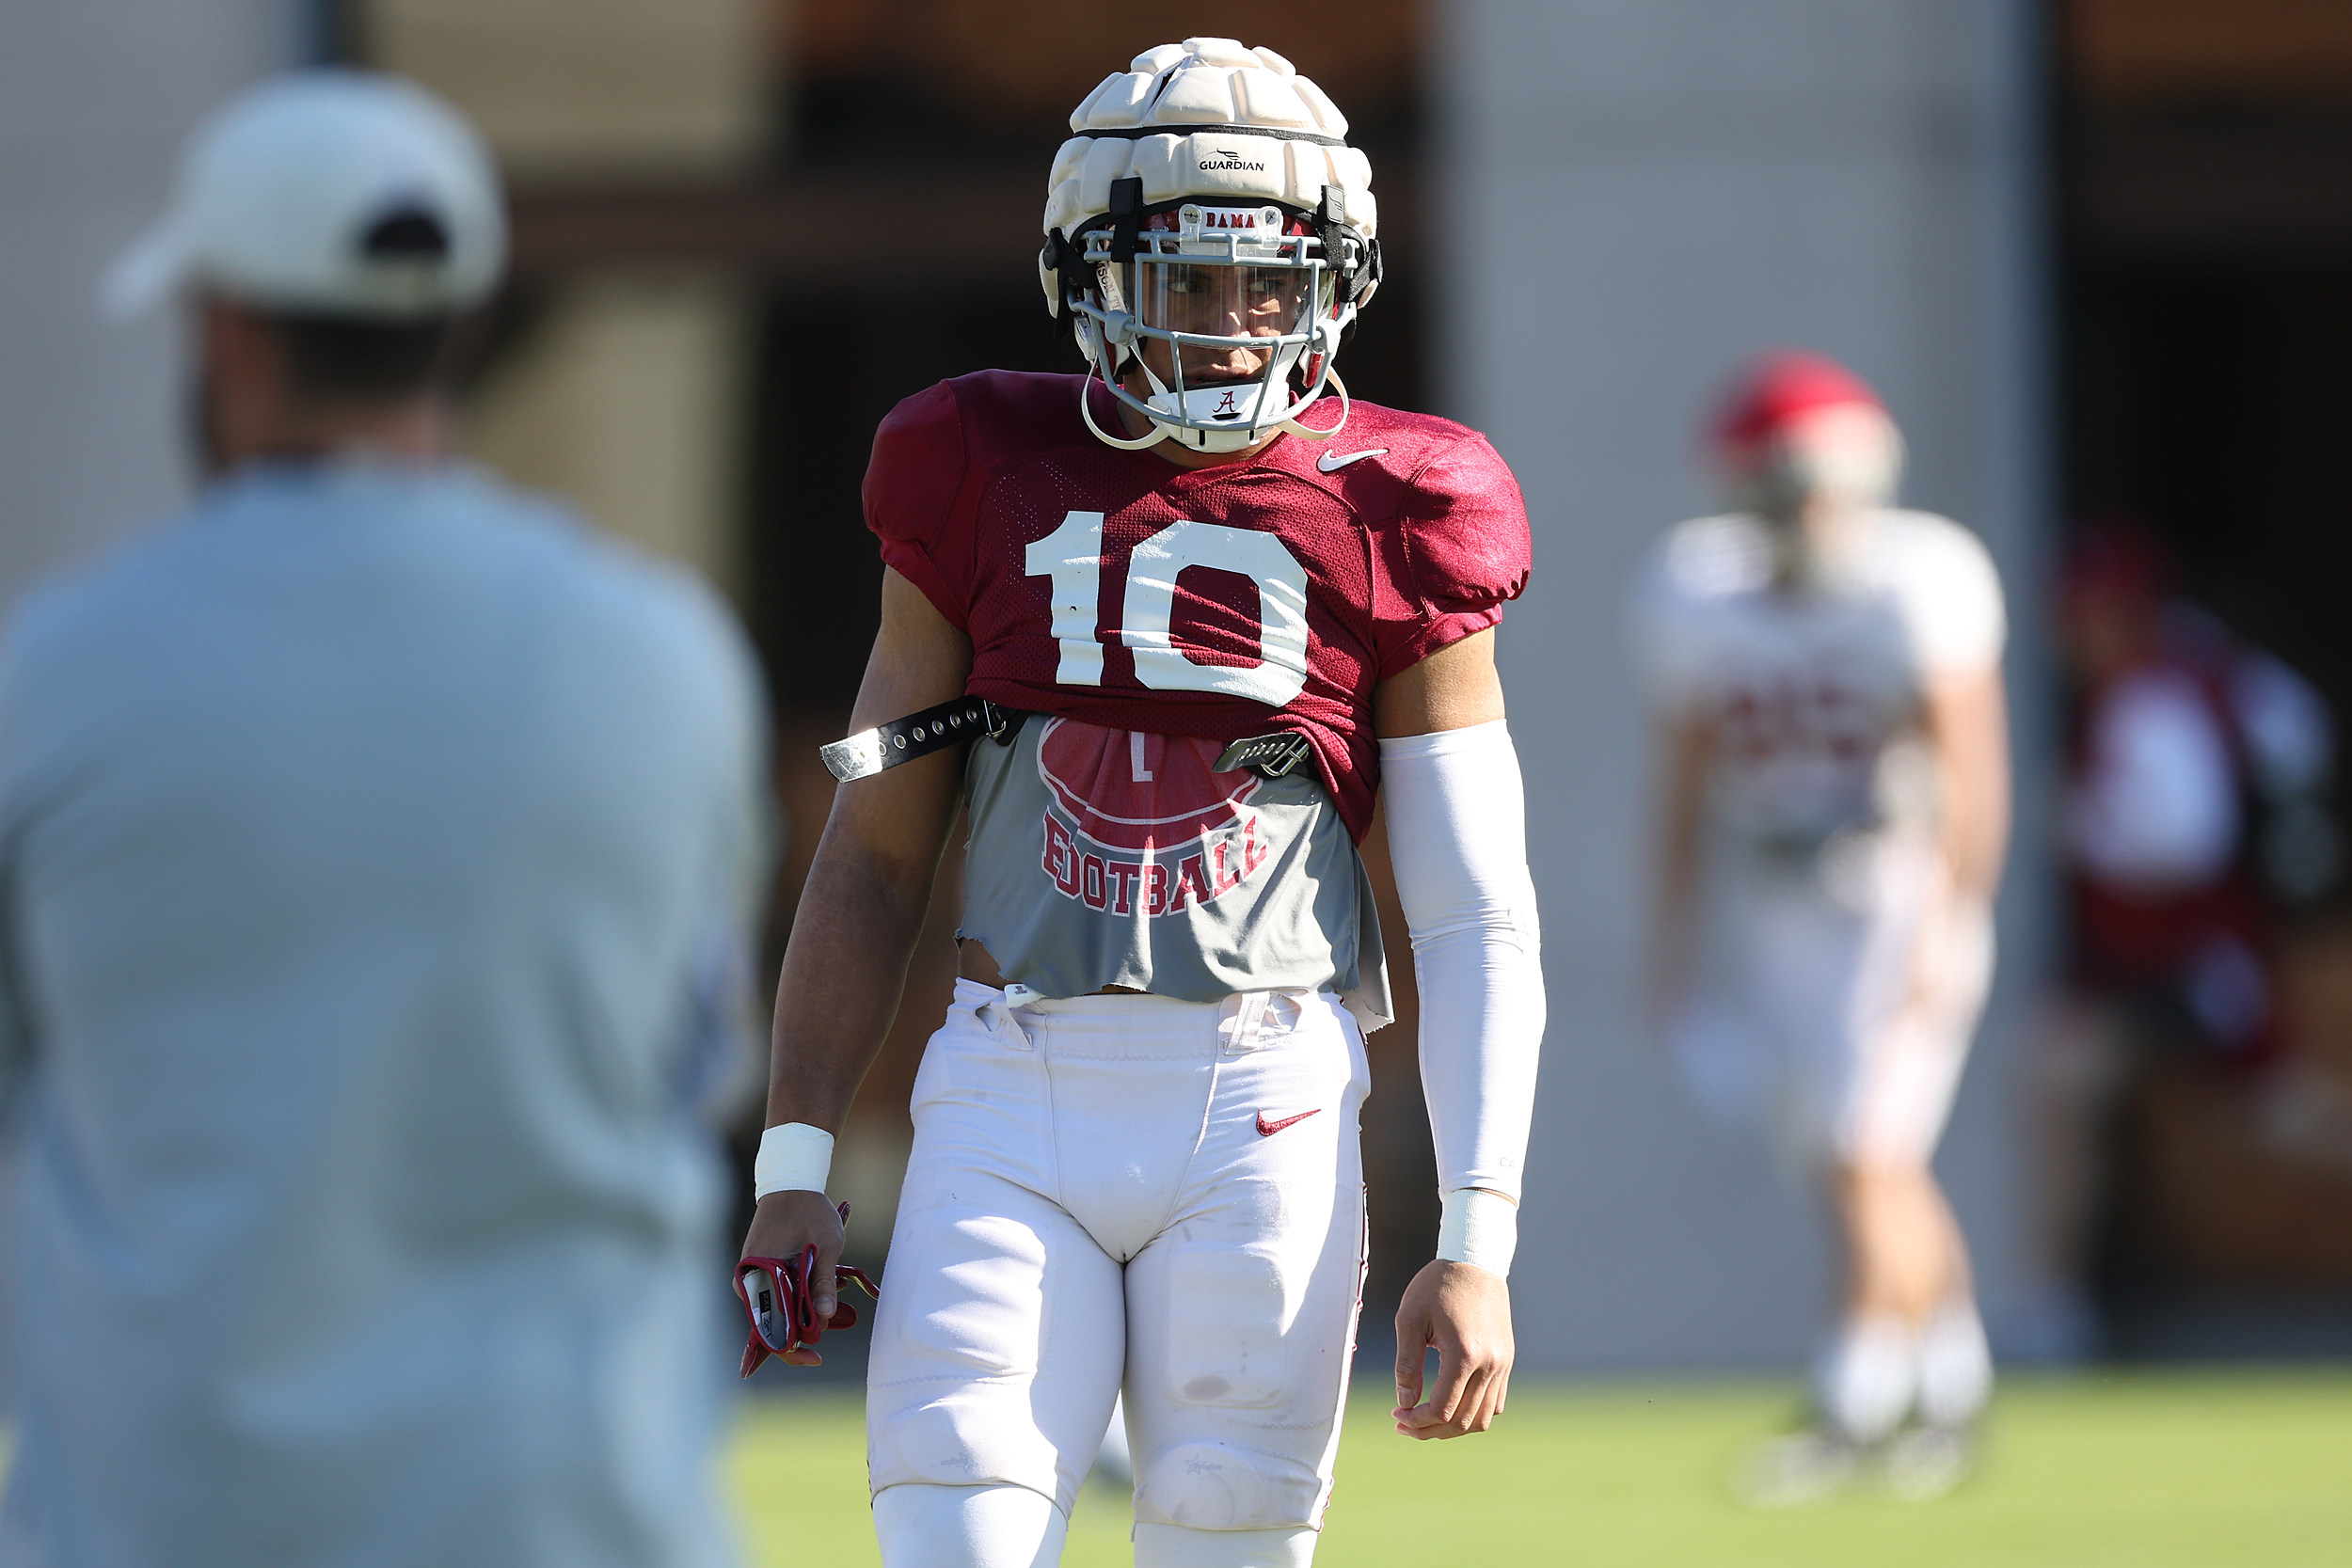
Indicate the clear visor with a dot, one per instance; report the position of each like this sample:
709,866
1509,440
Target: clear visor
1217,300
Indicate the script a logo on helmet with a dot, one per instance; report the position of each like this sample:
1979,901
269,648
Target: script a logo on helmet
1142,821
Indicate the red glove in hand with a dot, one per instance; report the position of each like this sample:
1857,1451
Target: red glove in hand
775,1297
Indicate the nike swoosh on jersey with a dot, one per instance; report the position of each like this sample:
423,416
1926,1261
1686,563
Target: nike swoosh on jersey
1331,465
1267,1129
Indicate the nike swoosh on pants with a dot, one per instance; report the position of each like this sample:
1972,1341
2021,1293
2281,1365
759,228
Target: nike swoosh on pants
1267,1129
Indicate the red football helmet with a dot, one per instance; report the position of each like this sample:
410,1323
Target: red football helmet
1799,425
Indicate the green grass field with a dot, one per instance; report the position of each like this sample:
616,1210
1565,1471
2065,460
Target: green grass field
2142,1470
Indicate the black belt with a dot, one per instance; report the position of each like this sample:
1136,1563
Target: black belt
918,735
951,723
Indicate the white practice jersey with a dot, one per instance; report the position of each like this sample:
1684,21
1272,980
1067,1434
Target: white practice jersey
1815,692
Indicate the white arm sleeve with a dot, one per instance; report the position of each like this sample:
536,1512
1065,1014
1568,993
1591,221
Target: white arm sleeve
1457,831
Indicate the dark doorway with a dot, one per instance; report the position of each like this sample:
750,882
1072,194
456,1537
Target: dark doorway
2205,222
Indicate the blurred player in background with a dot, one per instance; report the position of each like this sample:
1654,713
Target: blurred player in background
1166,628
374,844
1827,673
2195,809
2195,824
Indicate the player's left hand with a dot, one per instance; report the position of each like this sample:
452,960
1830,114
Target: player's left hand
1465,1312
787,1221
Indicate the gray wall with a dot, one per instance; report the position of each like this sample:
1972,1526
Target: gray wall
1637,195
95,96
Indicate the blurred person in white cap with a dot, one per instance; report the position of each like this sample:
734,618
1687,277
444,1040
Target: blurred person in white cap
1826,669
375,844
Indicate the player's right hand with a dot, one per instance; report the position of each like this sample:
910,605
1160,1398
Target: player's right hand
782,1226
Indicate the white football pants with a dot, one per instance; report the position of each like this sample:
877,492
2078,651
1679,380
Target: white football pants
1840,1000
1121,1189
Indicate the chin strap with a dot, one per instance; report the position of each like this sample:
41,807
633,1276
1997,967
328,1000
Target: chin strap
1162,432
1086,412
1331,375
1126,214
1185,436
1332,231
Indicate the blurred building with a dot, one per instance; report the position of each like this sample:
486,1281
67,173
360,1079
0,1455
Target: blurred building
1639,200
2094,251
2203,163
620,380
94,100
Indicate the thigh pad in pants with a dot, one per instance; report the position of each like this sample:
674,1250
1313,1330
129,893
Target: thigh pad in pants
1111,1131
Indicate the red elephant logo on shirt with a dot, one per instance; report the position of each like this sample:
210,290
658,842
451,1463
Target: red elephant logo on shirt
1143,819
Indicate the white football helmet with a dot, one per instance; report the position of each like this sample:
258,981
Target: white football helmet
1209,225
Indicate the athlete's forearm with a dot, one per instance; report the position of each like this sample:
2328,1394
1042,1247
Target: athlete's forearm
870,882
1977,846
860,914
1458,836
1969,727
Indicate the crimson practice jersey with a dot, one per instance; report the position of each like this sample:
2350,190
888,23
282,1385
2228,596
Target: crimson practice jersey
1152,614
1116,588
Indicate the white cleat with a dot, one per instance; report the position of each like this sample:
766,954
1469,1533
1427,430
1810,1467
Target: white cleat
1796,1468
1926,1462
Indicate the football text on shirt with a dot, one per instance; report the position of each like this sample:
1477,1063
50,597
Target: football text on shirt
1138,821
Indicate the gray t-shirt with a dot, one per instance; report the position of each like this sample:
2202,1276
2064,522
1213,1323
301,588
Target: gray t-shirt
1101,857
366,838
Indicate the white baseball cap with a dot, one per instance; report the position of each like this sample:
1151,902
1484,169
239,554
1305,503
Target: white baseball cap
331,192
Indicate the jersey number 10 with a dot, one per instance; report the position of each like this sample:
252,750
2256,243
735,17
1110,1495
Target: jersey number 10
1071,556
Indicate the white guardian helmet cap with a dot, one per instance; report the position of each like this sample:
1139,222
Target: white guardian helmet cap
1209,203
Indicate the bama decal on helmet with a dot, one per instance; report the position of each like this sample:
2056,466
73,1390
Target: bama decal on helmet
1193,220
1139,822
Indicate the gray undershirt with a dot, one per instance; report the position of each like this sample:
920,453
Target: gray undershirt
1102,858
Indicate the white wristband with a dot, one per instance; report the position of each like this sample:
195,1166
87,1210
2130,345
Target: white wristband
1479,1227
794,1157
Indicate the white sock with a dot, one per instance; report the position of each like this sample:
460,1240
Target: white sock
968,1527
1865,1380
1175,1546
1955,1365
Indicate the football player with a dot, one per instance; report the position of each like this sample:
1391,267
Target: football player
1166,630
1827,672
